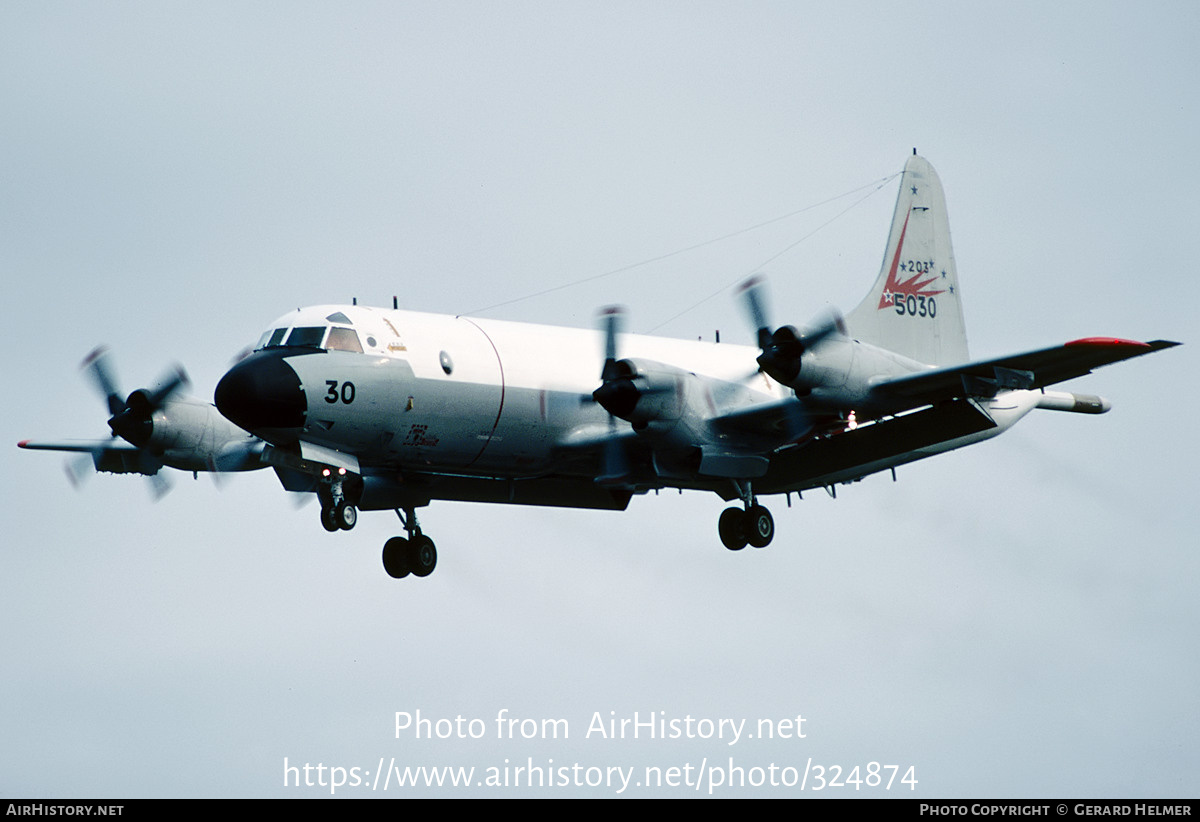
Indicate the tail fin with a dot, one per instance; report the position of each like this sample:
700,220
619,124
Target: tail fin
915,308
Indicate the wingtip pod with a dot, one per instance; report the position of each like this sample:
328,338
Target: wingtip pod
1075,403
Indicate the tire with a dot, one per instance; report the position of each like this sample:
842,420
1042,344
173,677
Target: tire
345,516
395,557
732,528
760,526
422,556
328,519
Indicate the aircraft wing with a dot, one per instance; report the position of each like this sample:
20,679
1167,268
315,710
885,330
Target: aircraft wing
113,457
1031,370
775,416
776,422
75,446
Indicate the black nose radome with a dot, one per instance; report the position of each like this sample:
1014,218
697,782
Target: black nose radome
261,392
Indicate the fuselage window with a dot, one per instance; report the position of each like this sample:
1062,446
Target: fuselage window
308,337
343,339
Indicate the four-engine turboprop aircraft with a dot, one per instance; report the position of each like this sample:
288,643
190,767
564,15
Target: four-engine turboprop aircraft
376,409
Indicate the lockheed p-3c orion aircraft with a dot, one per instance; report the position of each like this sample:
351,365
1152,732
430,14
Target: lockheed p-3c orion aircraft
375,409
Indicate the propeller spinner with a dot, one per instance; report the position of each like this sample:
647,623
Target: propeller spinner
131,418
783,348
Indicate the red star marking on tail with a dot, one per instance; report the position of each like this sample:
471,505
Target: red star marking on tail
913,286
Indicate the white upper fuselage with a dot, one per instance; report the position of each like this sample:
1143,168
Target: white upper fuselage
456,393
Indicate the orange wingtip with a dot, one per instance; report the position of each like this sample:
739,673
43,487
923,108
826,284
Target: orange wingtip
1107,341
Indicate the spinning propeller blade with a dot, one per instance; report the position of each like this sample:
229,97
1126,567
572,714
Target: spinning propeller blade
131,419
96,364
783,348
616,393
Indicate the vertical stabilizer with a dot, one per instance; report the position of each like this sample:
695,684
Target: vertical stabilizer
915,306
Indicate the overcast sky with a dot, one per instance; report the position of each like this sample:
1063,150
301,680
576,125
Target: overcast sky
1016,619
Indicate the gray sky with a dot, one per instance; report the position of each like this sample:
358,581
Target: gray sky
1015,619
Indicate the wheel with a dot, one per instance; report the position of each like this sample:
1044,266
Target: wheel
422,556
345,516
328,519
395,557
760,526
732,528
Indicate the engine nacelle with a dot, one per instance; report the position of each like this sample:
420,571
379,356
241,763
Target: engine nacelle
193,436
839,373
644,392
666,404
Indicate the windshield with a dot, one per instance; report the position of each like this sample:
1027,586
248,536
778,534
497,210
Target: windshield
340,339
271,338
309,337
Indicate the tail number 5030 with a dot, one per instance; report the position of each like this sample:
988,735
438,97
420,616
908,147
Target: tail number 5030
914,305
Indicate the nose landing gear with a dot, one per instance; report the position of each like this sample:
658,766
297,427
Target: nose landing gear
336,512
341,516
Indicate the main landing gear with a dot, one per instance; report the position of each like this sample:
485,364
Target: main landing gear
415,555
753,524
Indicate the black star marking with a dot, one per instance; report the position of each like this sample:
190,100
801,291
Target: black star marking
914,189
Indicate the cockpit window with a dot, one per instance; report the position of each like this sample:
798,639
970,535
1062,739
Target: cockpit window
343,339
270,339
340,339
339,317
308,337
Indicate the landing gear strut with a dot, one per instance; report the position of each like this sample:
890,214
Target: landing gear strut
415,555
753,524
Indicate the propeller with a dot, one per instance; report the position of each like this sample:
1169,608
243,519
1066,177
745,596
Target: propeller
617,394
97,366
131,418
783,348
